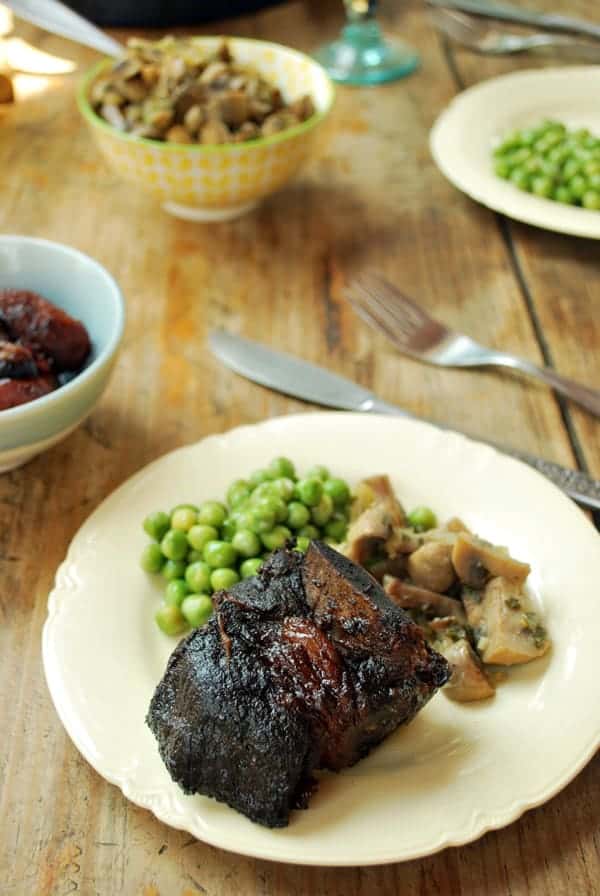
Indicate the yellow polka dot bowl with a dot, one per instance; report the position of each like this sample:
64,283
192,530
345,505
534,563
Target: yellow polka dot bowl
217,183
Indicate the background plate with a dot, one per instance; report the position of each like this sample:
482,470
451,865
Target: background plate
464,135
453,773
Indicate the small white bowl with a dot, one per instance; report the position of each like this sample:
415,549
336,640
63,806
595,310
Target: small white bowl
86,291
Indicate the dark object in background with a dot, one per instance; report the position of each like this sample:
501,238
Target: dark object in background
307,665
162,13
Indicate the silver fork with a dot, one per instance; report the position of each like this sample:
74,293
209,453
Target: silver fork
491,40
420,336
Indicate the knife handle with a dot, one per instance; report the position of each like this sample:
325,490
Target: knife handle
578,485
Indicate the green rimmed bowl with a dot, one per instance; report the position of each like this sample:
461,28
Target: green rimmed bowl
216,183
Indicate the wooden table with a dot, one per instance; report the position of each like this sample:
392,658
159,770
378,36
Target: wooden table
374,197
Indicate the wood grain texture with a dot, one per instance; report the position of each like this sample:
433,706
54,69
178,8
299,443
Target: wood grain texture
373,198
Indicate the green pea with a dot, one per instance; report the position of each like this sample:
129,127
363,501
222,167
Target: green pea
200,535
534,165
260,520
228,529
238,492
542,186
591,142
281,466
212,513
594,181
183,519
323,511
510,142
298,515
302,543
197,576
581,134
528,136
174,569
338,491
558,154
284,488
184,507
336,528
591,200
317,472
222,579
157,524
550,169
502,168
170,619
174,545
422,518
193,557
563,194
591,167
571,168
578,185
250,567
309,491
309,531
197,609
152,559
521,155
258,476
246,543
274,506
520,178
175,591
264,490
276,538
219,554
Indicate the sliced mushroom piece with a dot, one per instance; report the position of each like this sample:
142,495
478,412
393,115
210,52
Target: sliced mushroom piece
369,532
387,566
230,106
455,524
468,681
411,597
475,561
430,566
508,630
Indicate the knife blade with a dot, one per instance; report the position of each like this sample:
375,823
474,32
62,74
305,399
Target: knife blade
310,382
506,12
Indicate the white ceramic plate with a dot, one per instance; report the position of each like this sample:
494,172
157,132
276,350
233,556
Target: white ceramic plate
453,773
464,135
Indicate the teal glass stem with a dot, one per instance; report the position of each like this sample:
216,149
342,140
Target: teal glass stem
361,55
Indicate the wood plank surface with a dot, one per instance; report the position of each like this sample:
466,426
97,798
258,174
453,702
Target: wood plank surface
373,197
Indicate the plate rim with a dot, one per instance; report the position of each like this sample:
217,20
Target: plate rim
479,825
530,217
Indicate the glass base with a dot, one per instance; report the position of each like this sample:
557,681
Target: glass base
362,56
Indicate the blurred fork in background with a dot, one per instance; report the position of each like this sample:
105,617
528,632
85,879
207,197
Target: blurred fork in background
420,336
492,40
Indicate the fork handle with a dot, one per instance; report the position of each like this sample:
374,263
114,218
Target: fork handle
587,398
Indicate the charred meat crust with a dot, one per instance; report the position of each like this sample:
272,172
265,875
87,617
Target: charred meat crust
307,665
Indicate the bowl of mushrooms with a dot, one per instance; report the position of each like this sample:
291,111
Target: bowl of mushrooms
209,126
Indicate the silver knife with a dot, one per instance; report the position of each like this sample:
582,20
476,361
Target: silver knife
309,382
506,12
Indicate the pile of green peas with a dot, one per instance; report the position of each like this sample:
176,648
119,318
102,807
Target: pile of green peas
552,162
202,549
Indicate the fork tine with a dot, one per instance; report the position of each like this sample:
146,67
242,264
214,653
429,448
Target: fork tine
371,314
385,308
407,312
364,312
404,320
